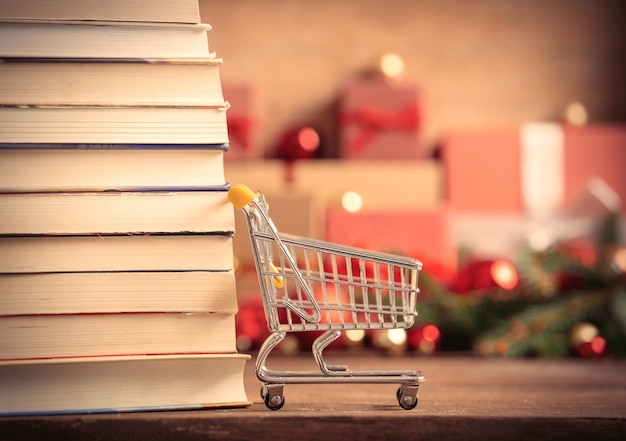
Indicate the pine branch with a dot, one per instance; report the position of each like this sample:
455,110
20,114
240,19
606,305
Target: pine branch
537,328
618,307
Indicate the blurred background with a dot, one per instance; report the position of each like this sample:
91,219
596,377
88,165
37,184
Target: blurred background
486,138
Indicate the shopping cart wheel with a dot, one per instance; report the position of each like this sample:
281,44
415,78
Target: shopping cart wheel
272,395
407,396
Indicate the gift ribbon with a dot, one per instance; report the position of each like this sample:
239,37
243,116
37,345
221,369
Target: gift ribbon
373,120
542,149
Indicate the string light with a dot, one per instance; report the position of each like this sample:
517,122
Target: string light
504,274
431,333
576,114
391,65
308,139
351,201
583,333
397,336
355,335
619,260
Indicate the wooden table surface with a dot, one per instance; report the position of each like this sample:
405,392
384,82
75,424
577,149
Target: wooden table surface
463,398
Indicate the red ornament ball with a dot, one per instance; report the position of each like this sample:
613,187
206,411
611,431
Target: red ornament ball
483,275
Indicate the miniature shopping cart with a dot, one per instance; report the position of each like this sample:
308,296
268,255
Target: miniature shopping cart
311,285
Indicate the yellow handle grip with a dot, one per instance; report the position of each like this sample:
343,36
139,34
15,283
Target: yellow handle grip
240,195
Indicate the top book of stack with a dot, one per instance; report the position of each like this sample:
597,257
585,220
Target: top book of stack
116,72
95,29
181,11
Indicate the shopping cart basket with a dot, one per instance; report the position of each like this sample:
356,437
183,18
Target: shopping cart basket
312,285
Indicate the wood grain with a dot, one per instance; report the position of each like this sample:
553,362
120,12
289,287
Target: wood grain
463,398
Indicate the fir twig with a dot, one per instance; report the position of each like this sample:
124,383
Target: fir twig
541,329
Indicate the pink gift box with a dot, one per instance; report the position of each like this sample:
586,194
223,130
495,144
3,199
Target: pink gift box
595,151
482,170
483,173
424,234
379,119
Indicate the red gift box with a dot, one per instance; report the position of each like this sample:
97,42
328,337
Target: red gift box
483,170
595,151
379,119
242,120
424,234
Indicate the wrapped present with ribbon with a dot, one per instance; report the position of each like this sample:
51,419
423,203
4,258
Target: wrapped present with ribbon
425,232
379,119
535,169
538,183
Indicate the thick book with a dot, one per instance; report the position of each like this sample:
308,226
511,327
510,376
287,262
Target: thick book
123,384
93,167
84,335
117,291
185,11
139,252
116,212
102,39
114,125
54,81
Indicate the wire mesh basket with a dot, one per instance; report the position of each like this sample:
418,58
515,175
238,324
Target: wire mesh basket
313,285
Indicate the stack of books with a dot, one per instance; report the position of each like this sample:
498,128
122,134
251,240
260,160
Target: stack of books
117,289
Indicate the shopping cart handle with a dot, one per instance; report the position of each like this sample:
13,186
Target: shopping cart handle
241,195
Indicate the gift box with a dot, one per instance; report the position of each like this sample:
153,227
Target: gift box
243,121
596,151
291,213
536,169
482,170
391,185
424,234
379,119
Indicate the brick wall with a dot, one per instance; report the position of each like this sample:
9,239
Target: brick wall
482,63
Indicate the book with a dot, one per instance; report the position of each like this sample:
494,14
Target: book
142,252
117,284
82,335
114,125
102,39
186,11
116,212
117,291
94,167
122,384
118,82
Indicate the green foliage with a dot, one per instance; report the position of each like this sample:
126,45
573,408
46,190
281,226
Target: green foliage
558,289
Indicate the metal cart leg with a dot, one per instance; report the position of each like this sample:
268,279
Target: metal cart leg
319,345
272,393
269,344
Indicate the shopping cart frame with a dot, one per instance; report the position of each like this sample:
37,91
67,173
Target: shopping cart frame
304,313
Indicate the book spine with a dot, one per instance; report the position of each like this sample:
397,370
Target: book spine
108,146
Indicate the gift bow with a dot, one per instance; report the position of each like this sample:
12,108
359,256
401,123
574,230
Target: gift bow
373,120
